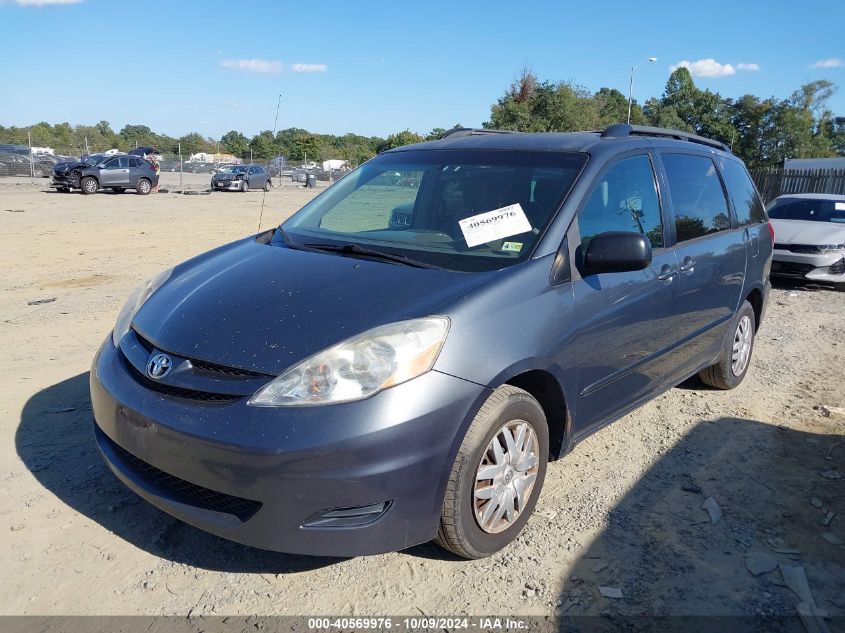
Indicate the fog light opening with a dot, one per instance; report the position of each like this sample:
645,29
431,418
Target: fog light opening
348,517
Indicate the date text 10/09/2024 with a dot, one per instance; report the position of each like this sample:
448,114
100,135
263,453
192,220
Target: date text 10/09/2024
418,623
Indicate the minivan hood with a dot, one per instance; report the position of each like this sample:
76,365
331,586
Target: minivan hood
808,232
264,307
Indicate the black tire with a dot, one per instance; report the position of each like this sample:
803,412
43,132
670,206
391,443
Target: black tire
89,185
267,185
144,187
722,374
460,531
244,185
118,189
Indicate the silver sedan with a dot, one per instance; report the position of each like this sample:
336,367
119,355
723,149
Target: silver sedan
809,237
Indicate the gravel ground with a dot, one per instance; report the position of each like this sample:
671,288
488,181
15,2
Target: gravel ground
620,516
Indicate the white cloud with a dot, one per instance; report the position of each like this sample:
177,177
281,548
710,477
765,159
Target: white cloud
309,68
43,3
833,62
705,68
711,68
262,66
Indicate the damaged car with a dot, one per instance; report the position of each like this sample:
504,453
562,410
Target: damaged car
117,172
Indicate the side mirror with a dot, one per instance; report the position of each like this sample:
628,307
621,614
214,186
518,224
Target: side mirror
616,252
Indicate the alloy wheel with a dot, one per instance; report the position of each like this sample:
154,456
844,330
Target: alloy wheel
742,346
504,479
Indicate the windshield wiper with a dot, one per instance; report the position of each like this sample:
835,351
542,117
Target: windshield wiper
353,250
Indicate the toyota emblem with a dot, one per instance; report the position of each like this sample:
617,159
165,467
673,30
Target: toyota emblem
159,365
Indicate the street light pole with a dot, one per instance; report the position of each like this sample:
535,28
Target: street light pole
631,84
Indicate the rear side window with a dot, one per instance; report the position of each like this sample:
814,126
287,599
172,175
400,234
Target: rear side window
698,199
625,199
134,162
747,204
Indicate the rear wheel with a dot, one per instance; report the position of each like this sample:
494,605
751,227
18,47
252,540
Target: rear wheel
497,475
89,185
735,358
144,187
267,185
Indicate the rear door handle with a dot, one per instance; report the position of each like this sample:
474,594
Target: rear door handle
667,273
688,266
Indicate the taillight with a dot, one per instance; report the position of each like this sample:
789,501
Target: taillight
771,231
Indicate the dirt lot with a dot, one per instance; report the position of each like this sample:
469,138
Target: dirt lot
623,511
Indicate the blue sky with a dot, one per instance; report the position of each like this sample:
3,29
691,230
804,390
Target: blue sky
379,67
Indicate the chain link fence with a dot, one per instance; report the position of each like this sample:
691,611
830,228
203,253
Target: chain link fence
36,161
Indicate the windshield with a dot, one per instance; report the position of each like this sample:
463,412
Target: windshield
93,159
467,210
815,210
232,169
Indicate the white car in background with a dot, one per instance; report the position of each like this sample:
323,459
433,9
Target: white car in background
809,237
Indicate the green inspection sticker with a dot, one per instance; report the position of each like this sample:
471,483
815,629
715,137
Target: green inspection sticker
513,247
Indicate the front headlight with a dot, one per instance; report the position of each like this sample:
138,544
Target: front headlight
360,366
134,303
827,248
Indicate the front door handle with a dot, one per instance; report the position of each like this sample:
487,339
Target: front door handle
688,265
667,273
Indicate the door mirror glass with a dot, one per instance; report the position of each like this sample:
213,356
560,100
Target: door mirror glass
616,252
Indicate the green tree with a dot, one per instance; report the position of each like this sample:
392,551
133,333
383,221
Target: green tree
303,145
192,143
235,143
263,145
399,139
532,106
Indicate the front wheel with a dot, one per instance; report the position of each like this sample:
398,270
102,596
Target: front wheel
735,358
244,185
497,475
89,185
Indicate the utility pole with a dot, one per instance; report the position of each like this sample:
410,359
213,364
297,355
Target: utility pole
31,167
180,163
631,85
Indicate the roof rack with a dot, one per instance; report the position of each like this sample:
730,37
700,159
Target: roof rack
623,130
458,132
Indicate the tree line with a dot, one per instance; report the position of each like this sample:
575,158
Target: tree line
760,131
296,144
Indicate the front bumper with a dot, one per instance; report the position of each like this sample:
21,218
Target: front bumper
256,475
233,185
824,267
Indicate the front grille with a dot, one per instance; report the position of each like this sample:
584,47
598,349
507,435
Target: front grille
203,365
791,268
179,392
213,368
183,491
838,268
806,249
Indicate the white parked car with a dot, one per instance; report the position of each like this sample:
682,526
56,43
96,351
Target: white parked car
809,237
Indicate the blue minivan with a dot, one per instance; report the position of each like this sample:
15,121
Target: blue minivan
396,364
